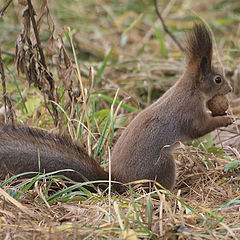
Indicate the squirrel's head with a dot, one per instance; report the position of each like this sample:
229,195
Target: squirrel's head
205,77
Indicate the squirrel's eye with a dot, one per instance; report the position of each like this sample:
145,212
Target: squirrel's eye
218,79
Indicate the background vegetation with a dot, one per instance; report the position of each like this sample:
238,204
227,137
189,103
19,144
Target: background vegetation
106,61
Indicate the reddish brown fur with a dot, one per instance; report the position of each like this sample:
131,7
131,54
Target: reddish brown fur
144,151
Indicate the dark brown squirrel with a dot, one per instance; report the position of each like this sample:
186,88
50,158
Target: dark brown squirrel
144,150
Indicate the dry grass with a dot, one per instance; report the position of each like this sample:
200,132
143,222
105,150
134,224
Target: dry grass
205,203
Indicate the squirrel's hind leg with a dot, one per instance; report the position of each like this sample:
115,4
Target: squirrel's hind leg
163,171
166,167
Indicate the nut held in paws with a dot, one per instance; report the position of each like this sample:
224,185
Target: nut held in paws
218,105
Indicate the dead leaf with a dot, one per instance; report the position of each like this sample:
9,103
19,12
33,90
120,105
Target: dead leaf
51,47
64,68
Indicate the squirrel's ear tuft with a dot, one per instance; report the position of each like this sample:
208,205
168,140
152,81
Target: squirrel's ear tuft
198,47
205,67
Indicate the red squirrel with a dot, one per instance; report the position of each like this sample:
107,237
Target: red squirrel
144,150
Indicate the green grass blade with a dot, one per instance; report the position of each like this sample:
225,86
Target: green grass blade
161,42
110,100
149,211
93,121
20,94
219,220
15,177
99,74
137,214
81,127
73,187
102,139
68,37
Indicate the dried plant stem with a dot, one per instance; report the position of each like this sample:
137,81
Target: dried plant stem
110,185
84,95
8,53
43,62
166,28
10,110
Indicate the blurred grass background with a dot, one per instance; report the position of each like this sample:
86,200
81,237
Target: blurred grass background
144,61
126,45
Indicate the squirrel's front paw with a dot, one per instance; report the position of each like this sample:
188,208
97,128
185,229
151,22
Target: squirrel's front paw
228,121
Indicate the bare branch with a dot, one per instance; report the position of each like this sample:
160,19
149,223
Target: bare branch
4,8
3,86
166,28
